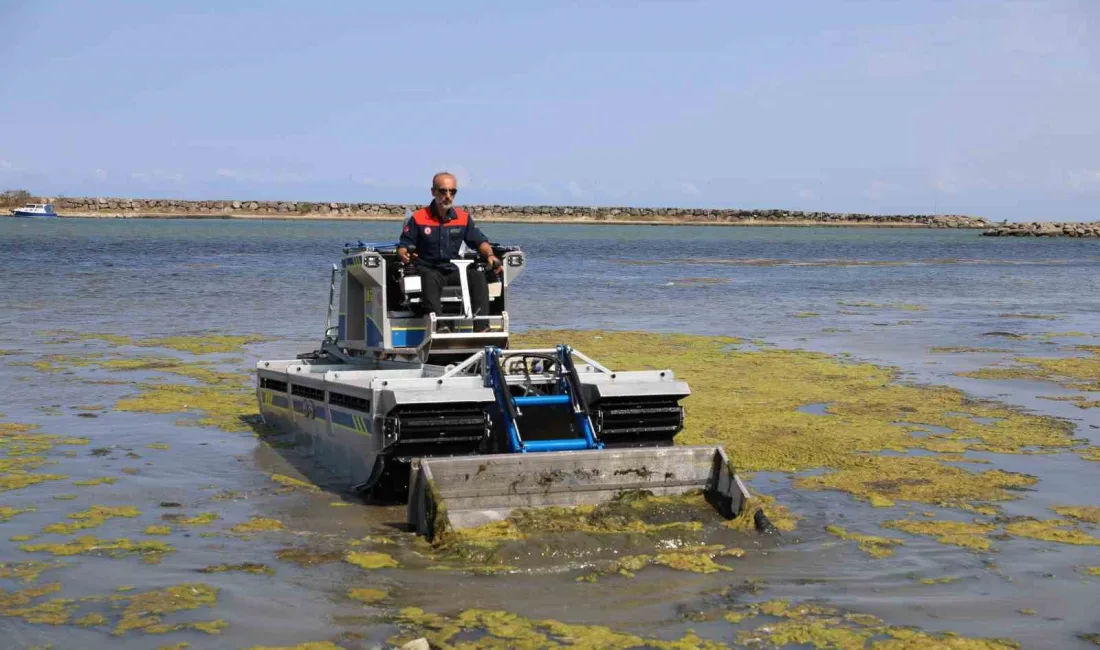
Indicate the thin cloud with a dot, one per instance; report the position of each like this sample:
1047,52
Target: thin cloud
259,176
461,174
575,190
804,193
689,188
1075,180
156,175
538,188
1084,179
948,181
955,181
879,188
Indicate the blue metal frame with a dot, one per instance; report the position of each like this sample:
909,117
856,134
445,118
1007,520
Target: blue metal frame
569,382
568,395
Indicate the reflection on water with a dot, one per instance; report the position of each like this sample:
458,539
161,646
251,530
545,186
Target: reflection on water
888,296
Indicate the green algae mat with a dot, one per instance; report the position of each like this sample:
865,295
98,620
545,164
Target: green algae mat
868,435
749,402
771,624
886,446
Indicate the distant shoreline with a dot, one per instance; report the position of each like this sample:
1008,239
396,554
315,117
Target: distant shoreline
153,208
521,219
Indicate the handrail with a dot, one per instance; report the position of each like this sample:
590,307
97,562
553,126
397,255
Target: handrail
331,294
465,364
595,364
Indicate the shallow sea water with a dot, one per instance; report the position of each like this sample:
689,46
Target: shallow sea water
804,288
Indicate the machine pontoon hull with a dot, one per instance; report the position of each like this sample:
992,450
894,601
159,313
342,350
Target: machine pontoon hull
467,429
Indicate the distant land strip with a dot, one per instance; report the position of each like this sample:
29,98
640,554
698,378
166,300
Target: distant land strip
1089,229
180,209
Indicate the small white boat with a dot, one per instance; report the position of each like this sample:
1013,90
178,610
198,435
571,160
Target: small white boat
41,210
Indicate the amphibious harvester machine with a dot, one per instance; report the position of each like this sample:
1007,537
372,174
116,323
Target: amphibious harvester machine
465,427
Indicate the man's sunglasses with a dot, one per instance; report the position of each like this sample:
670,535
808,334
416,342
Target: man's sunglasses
451,191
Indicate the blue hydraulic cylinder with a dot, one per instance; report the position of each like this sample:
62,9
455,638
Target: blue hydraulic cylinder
541,400
567,444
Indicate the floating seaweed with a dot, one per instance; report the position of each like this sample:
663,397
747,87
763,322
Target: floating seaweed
25,449
90,545
699,559
101,480
93,517
145,610
370,560
294,483
1051,530
1075,373
958,533
821,626
1089,514
201,519
208,344
368,596
245,567
875,546
6,512
497,629
311,645
965,349
28,572
785,624
258,525
306,557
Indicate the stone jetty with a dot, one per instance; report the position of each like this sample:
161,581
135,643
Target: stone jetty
129,207
1044,229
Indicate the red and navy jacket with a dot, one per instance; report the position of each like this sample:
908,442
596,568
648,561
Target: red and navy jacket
438,242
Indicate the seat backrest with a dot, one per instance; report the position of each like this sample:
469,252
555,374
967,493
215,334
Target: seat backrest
455,298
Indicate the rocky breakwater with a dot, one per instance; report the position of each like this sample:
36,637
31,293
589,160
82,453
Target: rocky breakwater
125,207
1045,229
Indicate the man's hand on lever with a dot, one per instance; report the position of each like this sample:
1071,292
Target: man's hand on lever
403,255
486,250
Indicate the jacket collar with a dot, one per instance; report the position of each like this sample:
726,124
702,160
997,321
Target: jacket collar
450,216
